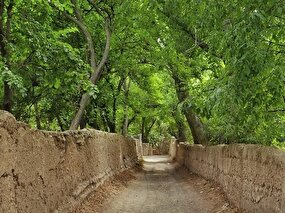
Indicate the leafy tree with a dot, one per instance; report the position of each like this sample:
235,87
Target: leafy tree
147,67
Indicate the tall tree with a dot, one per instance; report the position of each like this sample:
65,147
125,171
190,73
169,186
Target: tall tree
195,124
95,69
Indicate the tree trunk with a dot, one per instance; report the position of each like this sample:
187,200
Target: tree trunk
4,38
37,115
132,120
83,122
96,70
126,86
144,138
195,124
146,130
181,133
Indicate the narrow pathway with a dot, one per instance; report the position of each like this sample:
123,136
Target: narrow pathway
160,188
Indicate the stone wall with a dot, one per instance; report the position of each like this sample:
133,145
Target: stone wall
52,172
252,176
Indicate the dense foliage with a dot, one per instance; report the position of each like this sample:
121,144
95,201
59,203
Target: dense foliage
215,66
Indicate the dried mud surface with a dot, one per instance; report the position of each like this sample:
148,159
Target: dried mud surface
43,171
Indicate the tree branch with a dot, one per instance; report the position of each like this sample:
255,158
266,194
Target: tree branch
88,38
132,119
184,27
95,7
96,75
96,71
77,11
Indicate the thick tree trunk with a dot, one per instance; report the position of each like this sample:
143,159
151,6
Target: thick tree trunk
181,133
80,112
96,70
195,124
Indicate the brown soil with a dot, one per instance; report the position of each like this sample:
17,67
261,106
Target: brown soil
94,203
210,191
160,187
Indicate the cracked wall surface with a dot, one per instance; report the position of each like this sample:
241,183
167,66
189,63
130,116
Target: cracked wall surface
252,176
44,171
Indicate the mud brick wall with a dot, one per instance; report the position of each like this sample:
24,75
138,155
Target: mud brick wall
252,176
52,172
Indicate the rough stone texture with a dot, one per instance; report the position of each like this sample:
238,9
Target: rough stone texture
252,176
52,172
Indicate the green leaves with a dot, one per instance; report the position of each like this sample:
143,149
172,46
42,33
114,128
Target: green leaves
64,33
91,89
235,94
15,81
63,5
57,83
236,80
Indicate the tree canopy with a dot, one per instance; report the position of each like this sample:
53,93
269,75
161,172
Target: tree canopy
203,71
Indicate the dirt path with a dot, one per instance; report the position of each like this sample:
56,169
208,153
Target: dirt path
161,188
